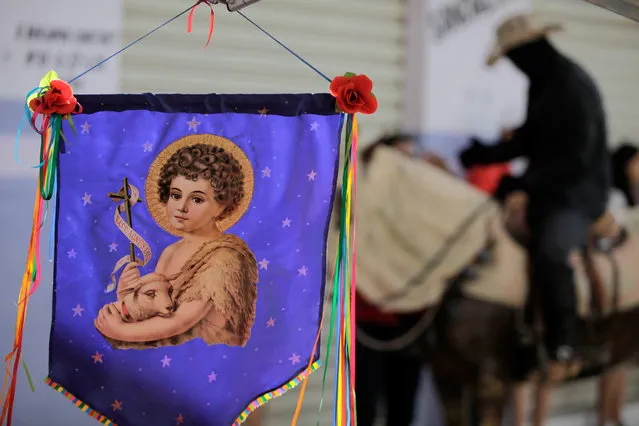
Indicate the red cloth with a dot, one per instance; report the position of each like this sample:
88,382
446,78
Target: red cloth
486,178
366,312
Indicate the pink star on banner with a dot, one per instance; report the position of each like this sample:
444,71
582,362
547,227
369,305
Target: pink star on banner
97,357
212,377
263,263
193,124
77,311
86,199
166,361
295,359
302,271
270,322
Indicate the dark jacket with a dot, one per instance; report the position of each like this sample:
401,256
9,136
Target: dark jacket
564,136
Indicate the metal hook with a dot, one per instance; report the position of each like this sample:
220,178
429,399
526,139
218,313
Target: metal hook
235,5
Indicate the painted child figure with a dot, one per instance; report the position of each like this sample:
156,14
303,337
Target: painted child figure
196,193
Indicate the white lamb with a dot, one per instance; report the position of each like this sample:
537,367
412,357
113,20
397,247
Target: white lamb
145,301
141,302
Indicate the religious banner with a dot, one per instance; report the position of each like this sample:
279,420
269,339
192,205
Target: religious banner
190,253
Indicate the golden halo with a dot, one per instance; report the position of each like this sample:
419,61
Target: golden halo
157,208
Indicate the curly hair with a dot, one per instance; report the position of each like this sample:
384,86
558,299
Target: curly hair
201,161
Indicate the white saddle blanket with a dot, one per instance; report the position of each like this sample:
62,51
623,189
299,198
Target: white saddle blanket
406,211
504,280
409,216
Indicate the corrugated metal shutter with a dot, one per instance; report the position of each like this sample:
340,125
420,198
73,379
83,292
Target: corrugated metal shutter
336,36
607,45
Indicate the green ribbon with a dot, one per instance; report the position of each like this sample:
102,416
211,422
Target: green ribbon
340,258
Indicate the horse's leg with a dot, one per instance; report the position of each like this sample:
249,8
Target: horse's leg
604,398
542,395
619,390
612,386
451,394
519,404
492,395
543,392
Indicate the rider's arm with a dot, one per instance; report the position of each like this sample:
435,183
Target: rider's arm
505,150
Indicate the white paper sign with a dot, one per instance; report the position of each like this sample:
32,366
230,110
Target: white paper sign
68,36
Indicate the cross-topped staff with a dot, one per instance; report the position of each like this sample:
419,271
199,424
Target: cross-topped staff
124,196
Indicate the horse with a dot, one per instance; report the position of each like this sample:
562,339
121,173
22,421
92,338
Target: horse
437,251
472,346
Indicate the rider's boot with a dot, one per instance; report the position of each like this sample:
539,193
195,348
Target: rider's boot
563,364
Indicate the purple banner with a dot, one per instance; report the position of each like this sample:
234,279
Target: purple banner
235,194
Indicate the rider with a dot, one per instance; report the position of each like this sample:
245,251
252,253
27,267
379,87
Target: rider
568,175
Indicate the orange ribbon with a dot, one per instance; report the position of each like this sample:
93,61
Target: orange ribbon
30,280
189,22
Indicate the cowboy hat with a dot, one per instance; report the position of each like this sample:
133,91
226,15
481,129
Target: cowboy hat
516,31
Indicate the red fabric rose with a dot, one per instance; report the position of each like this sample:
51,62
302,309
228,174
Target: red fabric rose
353,94
58,99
